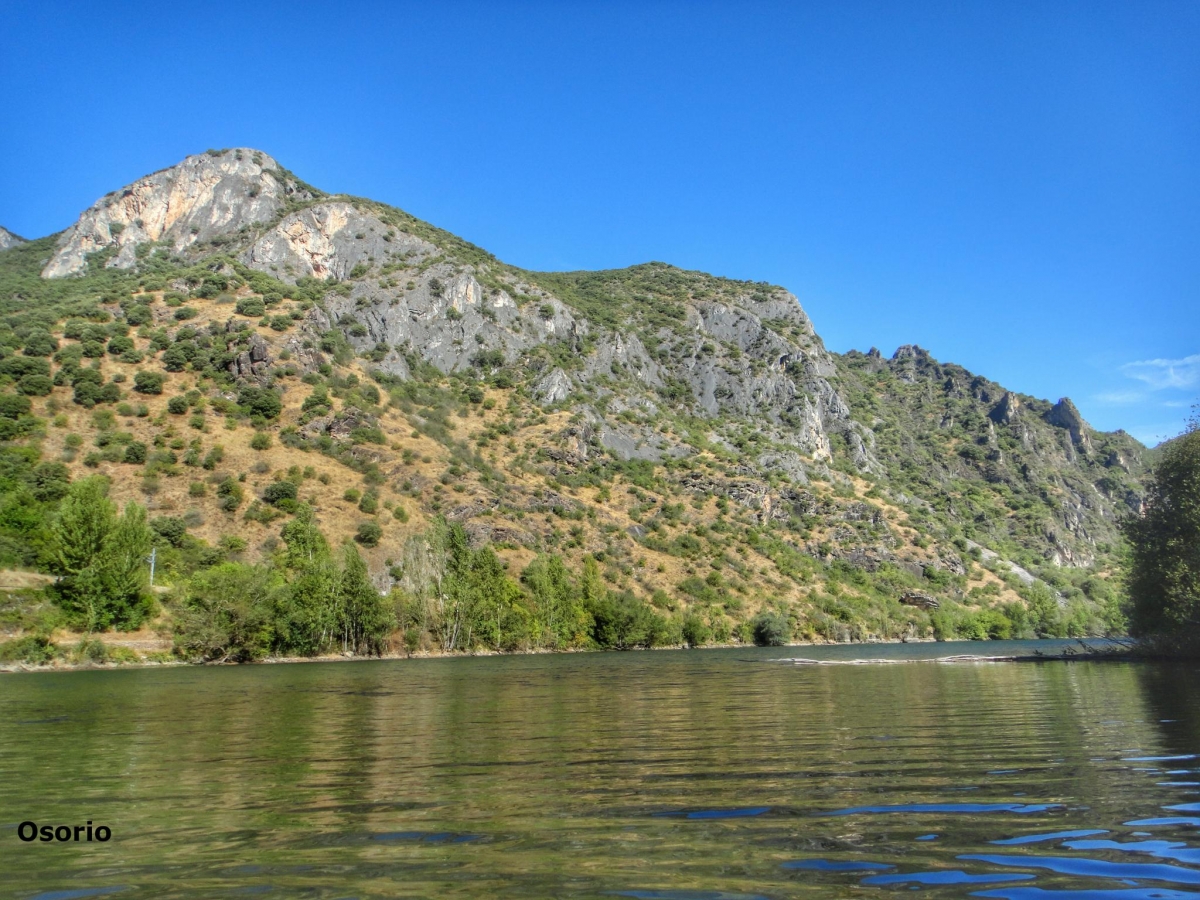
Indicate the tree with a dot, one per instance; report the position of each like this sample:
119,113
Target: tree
124,572
366,618
559,616
227,614
770,629
1164,568
101,558
696,632
303,540
623,622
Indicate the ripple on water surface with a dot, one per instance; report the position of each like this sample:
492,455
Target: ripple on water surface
664,776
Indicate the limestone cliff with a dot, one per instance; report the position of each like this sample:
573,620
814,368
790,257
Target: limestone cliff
211,195
8,239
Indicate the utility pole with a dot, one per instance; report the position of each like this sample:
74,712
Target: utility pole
153,554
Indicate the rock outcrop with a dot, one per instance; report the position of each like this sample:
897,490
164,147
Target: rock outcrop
919,600
1064,415
329,240
8,239
207,196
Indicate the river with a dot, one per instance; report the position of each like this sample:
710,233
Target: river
682,775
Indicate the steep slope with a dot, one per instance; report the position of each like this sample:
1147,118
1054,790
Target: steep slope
689,435
1010,471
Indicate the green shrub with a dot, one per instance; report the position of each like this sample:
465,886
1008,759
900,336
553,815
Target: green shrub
251,306
139,314
35,385
148,382
770,629
40,343
171,529
230,494
177,406
260,441
260,402
12,407
279,490
696,632
135,453
368,534
32,649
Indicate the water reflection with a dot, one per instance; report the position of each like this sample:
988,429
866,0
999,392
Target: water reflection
673,775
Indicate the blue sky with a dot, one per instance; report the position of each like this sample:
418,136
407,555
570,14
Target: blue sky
1014,186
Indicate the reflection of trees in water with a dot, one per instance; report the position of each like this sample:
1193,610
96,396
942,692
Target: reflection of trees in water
1172,692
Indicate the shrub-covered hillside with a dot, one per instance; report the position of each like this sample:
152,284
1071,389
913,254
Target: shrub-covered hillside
344,430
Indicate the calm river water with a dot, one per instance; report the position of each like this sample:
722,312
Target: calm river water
677,775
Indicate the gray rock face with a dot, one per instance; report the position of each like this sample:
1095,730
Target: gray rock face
1005,412
447,319
202,197
987,555
330,240
8,239
1064,415
553,388
762,359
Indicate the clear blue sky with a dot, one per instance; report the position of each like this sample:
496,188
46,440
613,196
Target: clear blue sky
1014,186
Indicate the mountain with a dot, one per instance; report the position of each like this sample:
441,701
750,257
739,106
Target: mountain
688,434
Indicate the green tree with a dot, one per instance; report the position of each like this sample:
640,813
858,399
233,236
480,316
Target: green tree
696,632
366,617
148,382
1164,567
559,617
770,629
302,539
228,614
100,558
307,613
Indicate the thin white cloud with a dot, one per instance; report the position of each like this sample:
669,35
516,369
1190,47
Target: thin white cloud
1120,398
1163,374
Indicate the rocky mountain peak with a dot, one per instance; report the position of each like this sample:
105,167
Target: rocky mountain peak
1064,414
8,239
210,194
911,351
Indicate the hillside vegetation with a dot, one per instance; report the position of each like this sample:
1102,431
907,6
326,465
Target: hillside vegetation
341,429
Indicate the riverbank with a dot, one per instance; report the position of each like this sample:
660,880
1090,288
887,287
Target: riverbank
1057,650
